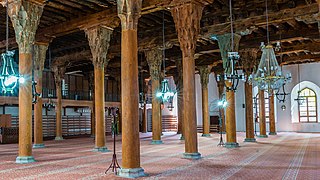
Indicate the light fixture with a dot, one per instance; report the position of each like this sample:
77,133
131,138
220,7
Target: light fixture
269,75
222,103
49,104
283,107
299,99
230,73
166,93
8,77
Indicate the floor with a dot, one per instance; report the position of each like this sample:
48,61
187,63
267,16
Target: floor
285,156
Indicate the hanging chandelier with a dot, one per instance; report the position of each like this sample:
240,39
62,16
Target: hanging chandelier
166,93
269,74
231,75
299,98
9,78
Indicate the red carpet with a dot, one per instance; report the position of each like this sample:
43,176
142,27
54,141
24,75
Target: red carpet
285,156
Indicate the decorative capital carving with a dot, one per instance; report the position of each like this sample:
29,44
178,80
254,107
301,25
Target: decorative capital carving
129,13
39,55
59,72
99,41
204,72
187,18
25,17
154,58
249,60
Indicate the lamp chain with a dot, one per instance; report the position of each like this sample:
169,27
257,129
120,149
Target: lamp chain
267,17
7,26
231,20
163,41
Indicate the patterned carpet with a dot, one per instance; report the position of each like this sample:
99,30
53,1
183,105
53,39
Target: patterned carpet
285,156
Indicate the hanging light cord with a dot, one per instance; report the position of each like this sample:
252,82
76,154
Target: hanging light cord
7,26
163,41
231,21
299,78
267,17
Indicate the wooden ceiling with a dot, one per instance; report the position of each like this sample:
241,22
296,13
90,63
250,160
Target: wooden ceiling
293,22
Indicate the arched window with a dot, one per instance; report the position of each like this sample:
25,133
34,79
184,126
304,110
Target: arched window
308,107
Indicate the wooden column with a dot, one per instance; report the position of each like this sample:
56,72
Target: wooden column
129,13
204,72
40,50
179,88
222,113
187,18
262,115
231,133
249,113
154,58
25,18
92,114
272,120
144,110
59,72
99,39
225,46
249,61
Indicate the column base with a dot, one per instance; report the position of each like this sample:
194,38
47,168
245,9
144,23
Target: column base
156,142
272,133
101,149
181,137
250,140
25,159
38,146
231,145
262,136
131,173
206,135
59,138
192,155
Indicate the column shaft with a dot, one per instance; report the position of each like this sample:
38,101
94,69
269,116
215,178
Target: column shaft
38,136
99,109
59,112
262,115
231,132
272,121
130,104
189,104
156,114
249,114
144,119
223,119
180,114
25,106
205,112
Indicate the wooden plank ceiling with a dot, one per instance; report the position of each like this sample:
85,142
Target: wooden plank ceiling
293,22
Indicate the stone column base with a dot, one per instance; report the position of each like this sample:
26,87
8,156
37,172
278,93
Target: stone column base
156,142
192,155
58,138
262,136
231,145
250,140
101,149
38,146
272,133
206,135
131,173
25,159
181,137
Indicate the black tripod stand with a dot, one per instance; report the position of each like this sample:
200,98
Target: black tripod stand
114,164
221,143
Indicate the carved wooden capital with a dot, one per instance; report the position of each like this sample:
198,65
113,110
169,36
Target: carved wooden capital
249,60
154,58
25,17
204,72
129,12
225,46
187,21
39,55
59,72
99,41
